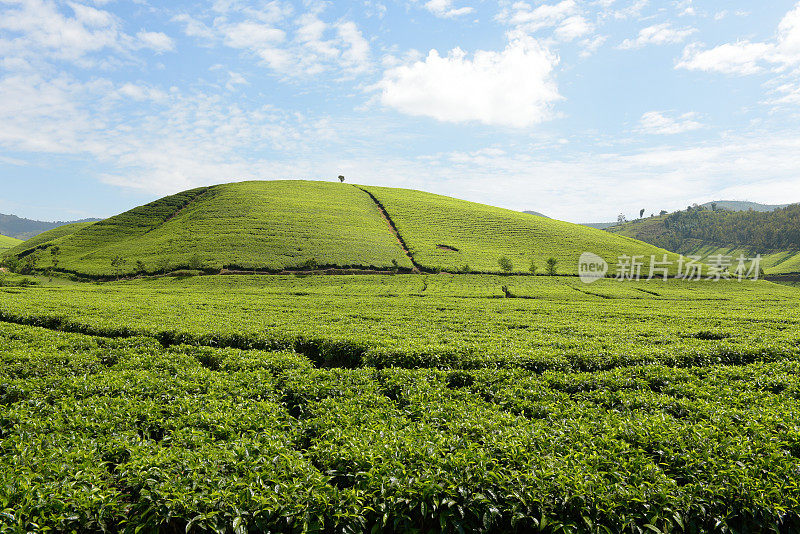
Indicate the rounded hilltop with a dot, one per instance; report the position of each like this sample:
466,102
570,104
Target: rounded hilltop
307,225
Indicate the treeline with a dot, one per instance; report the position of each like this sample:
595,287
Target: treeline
774,230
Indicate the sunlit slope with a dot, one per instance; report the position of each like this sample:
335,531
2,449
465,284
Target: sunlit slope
7,243
47,237
247,225
449,234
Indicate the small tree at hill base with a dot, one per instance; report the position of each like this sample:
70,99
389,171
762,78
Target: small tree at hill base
195,263
532,268
505,264
55,251
118,262
551,266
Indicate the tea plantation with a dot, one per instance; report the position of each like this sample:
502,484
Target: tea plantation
399,404
305,225
7,243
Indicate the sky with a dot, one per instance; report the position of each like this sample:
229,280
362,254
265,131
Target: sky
577,109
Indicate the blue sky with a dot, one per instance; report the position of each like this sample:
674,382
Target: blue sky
577,109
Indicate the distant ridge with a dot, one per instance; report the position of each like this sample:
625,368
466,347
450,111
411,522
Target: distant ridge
536,213
743,205
21,228
599,226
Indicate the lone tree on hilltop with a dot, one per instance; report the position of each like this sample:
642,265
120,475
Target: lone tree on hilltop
341,179
621,218
641,213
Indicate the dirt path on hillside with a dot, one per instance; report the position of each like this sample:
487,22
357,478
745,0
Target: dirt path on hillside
417,269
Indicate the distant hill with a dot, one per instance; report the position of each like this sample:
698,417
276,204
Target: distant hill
20,228
8,243
536,213
739,205
277,225
599,226
774,234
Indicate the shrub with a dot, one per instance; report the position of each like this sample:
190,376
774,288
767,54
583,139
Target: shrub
551,266
195,263
505,264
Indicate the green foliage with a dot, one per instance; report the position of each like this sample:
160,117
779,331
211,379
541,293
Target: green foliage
7,243
126,435
195,263
551,266
241,226
707,232
505,264
478,234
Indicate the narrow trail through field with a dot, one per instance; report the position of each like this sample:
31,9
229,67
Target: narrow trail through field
417,268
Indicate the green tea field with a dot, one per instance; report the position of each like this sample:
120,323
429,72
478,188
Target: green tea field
7,243
407,403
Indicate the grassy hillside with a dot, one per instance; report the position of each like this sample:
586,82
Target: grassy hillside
47,237
299,224
775,235
247,225
7,243
446,233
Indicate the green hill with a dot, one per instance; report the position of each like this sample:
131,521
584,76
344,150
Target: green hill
276,225
447,234
7,243
775,235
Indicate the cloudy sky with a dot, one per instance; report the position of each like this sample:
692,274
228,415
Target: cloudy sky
578,109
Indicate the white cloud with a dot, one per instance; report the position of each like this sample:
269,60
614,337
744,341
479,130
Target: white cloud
445,9
193,27
513,87
37,29
293,47
355,49
656,123
525,17
157,41
658,34
573,27
632,10
745,57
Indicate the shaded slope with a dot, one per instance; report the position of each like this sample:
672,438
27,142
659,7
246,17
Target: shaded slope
448,234
248,225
